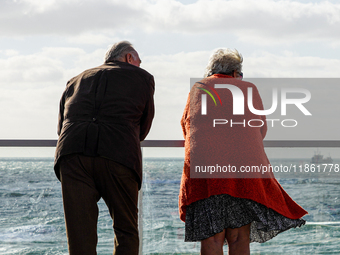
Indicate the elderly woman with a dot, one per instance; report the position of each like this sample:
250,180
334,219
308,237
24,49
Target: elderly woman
218,203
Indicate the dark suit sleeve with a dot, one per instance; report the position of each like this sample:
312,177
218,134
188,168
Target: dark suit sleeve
61,114
149,112
61,110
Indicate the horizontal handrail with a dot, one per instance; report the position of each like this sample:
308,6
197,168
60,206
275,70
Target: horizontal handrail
27,143
176,143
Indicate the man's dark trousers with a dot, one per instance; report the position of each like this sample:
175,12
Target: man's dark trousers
84,181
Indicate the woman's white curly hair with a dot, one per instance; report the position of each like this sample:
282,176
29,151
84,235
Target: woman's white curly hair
224,61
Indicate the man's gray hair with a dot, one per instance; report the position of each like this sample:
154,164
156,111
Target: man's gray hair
118,51
224,61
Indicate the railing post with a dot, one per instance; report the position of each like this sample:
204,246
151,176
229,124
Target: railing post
140,216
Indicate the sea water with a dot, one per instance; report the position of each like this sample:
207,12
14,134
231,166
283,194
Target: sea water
31,212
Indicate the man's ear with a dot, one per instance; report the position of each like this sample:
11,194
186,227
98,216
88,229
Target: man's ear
129,58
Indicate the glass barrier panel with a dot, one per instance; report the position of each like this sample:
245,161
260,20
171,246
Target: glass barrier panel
163,231
32,222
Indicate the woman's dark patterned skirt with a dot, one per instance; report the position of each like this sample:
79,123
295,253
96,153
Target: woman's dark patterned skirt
207,217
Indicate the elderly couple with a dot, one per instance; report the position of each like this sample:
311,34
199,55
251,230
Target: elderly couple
104,114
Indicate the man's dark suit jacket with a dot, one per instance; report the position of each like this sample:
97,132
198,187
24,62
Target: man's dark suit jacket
106,111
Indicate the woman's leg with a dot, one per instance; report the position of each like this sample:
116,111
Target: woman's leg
213,245
238,240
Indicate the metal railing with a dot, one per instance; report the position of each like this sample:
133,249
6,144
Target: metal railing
176,143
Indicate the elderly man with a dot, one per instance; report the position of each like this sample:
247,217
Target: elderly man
104,114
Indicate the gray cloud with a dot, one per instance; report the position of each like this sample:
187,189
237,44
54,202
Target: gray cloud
29,17
261,21
31,82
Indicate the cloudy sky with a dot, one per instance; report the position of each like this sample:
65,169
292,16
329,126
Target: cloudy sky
43,43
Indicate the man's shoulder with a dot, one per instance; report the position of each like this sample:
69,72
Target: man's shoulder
112,68
86,73
134,73
124,67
